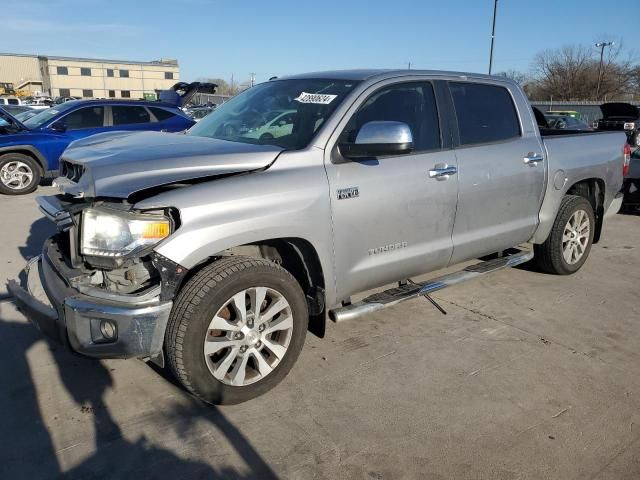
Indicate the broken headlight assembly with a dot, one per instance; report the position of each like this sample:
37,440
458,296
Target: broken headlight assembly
113,233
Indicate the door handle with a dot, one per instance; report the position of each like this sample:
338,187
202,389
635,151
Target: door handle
533,159
442,172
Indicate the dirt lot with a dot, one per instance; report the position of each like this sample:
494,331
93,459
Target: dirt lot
528,376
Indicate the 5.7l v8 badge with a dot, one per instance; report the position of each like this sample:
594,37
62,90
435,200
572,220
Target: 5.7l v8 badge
349,192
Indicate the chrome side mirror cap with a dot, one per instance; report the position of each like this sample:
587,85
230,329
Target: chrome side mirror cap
379,138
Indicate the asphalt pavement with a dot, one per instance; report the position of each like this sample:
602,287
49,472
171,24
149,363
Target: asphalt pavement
528,376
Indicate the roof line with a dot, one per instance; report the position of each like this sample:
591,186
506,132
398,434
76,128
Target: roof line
168,62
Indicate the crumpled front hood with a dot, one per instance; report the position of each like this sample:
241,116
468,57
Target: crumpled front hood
118,164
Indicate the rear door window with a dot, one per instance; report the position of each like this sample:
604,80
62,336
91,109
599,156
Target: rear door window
485,113
88,117
127,115
161,114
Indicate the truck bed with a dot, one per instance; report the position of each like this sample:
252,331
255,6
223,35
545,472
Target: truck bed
573,156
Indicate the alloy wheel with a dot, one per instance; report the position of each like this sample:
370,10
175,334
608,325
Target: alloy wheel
16,175
248,336
575,237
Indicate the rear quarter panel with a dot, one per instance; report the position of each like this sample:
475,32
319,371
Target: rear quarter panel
573,158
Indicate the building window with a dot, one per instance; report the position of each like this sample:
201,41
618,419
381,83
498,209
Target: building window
87,93
168,75
85,72
62,71
65,92
112,94
109,72
125,94
124,73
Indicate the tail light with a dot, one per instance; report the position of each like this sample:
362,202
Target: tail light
626,150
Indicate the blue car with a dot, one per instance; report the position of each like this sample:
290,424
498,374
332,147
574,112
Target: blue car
31,149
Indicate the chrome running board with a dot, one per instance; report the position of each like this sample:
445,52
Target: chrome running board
393,296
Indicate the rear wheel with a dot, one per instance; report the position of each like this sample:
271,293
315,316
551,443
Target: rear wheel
19,174
236,329
569,243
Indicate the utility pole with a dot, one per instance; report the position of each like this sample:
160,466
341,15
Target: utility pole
253,79
601,46
493,34
408,65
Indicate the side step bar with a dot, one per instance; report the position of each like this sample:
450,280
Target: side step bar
393,296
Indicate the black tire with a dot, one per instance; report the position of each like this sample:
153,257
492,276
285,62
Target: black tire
266,136
199,301
30,164
549,255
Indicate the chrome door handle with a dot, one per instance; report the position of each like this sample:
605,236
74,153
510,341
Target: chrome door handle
442,173
533,159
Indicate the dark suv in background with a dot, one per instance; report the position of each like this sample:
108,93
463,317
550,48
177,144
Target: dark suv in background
621,116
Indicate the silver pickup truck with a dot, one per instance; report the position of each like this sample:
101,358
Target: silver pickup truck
215,251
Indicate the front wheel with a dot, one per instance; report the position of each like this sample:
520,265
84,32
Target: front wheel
19,174
569,243
236,329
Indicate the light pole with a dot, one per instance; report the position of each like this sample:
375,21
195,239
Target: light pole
601,46
493,34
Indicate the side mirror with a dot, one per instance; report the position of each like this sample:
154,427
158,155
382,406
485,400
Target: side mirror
59,126
379,138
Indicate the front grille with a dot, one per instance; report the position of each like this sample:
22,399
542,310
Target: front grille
610,124
72,171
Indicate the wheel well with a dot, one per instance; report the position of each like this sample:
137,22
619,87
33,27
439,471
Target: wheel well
593,190
300,259
28,153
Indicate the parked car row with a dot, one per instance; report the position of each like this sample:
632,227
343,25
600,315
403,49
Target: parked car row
198,112
31,144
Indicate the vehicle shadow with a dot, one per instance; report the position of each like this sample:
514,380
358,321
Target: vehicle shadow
40,230
30,452
24,434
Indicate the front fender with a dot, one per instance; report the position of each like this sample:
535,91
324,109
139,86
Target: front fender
288,200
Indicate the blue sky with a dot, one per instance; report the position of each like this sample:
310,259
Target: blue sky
218,38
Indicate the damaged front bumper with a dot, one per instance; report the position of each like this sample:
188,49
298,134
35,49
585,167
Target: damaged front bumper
111,325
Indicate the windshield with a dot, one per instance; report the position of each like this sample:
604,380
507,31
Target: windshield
22,116
248,118
46,115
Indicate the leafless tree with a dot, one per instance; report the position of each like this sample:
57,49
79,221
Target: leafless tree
571,73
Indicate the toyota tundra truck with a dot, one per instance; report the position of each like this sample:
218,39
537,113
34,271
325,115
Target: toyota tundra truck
214,252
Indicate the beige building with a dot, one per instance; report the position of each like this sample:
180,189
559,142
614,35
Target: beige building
86,77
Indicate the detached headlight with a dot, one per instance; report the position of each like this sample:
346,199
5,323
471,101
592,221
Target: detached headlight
116,234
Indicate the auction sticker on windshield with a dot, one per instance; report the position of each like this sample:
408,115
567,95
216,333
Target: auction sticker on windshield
320,98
